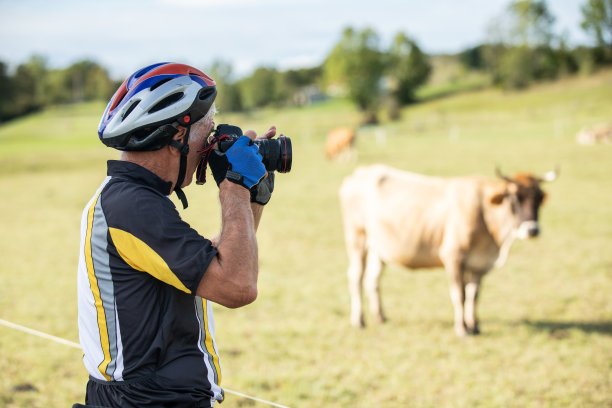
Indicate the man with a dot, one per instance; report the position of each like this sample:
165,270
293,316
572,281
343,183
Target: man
145,278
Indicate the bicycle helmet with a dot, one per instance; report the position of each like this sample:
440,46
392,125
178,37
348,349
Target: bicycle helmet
144,111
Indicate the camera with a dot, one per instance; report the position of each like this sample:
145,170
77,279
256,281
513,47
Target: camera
276,153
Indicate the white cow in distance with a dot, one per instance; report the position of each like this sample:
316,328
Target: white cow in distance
597,134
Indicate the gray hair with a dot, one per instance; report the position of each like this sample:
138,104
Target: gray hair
207,119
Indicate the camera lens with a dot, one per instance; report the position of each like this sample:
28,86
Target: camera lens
276,153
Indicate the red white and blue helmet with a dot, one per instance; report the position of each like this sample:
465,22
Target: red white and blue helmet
155,96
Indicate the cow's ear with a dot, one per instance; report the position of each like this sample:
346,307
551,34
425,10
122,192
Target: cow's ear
498,198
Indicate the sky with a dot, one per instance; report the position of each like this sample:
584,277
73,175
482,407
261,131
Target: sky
125,35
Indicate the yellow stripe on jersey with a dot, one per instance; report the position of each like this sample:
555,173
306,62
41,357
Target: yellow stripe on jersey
209,341
143,258
93,282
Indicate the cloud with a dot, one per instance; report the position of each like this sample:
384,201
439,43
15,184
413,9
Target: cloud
220,3
125,35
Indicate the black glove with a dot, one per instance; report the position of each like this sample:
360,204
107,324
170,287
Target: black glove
262,192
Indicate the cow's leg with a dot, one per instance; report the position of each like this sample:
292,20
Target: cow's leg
455,277
472,285
356,254
373,271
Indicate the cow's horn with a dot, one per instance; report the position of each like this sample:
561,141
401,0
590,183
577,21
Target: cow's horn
500,175
551,175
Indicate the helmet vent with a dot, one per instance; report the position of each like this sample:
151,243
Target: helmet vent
206,93
130,109
160,83
141,134
166,102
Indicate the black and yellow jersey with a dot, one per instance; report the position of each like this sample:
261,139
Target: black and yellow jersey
139,267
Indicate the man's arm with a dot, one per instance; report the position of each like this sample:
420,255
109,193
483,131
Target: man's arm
257,211
231,277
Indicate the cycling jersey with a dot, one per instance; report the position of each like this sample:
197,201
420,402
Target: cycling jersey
139,317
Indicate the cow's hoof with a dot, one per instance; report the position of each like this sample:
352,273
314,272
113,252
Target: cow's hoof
461,332
360,324
380,319
474,331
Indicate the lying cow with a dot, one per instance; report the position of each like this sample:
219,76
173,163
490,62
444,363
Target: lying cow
340,143
465,224
597,134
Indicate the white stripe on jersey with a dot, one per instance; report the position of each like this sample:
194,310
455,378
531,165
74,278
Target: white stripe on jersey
206,319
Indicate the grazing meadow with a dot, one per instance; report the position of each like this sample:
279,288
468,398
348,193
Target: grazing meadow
546,316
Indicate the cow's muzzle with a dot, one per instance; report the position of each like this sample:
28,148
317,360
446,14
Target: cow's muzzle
528,229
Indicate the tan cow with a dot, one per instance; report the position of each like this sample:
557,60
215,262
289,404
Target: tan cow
464,224
340,143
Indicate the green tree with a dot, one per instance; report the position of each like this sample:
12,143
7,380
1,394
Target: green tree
409,68
7,109
357,64
28,86
473,58
260,89
57,87
88,81
520,49
513,68
295,84
82,81
597,21
24,91
531,23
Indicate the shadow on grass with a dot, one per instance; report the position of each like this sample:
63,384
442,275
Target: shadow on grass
558,328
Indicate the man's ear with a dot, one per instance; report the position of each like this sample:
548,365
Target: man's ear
180,135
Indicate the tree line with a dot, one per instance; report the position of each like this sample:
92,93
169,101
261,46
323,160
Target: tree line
33,86
521,48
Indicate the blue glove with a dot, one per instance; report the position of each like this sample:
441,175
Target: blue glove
240,164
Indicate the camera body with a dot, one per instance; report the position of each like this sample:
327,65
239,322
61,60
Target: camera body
276,153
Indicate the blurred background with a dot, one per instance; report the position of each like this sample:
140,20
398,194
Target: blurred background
288,53
441,88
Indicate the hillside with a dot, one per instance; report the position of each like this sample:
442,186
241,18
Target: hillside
545,316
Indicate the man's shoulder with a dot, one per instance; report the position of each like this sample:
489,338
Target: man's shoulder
129,201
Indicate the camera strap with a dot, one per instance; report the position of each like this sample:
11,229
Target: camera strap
184,150
205,154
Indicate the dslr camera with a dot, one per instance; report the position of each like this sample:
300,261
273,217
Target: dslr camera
276,153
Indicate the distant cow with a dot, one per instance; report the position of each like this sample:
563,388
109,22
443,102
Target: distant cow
465,224
597,134
340,143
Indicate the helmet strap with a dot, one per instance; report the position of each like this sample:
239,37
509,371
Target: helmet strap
184,150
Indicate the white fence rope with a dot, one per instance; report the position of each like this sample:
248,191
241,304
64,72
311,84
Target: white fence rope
78,346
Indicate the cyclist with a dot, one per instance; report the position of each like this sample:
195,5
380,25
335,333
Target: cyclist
146,279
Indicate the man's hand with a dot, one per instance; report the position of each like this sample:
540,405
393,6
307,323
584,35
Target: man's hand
261,193
240,164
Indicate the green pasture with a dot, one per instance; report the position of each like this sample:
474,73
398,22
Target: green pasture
546,316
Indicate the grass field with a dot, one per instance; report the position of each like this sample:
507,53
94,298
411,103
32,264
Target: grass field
546,316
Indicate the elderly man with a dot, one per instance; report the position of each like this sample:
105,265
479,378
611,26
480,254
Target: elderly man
146,279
